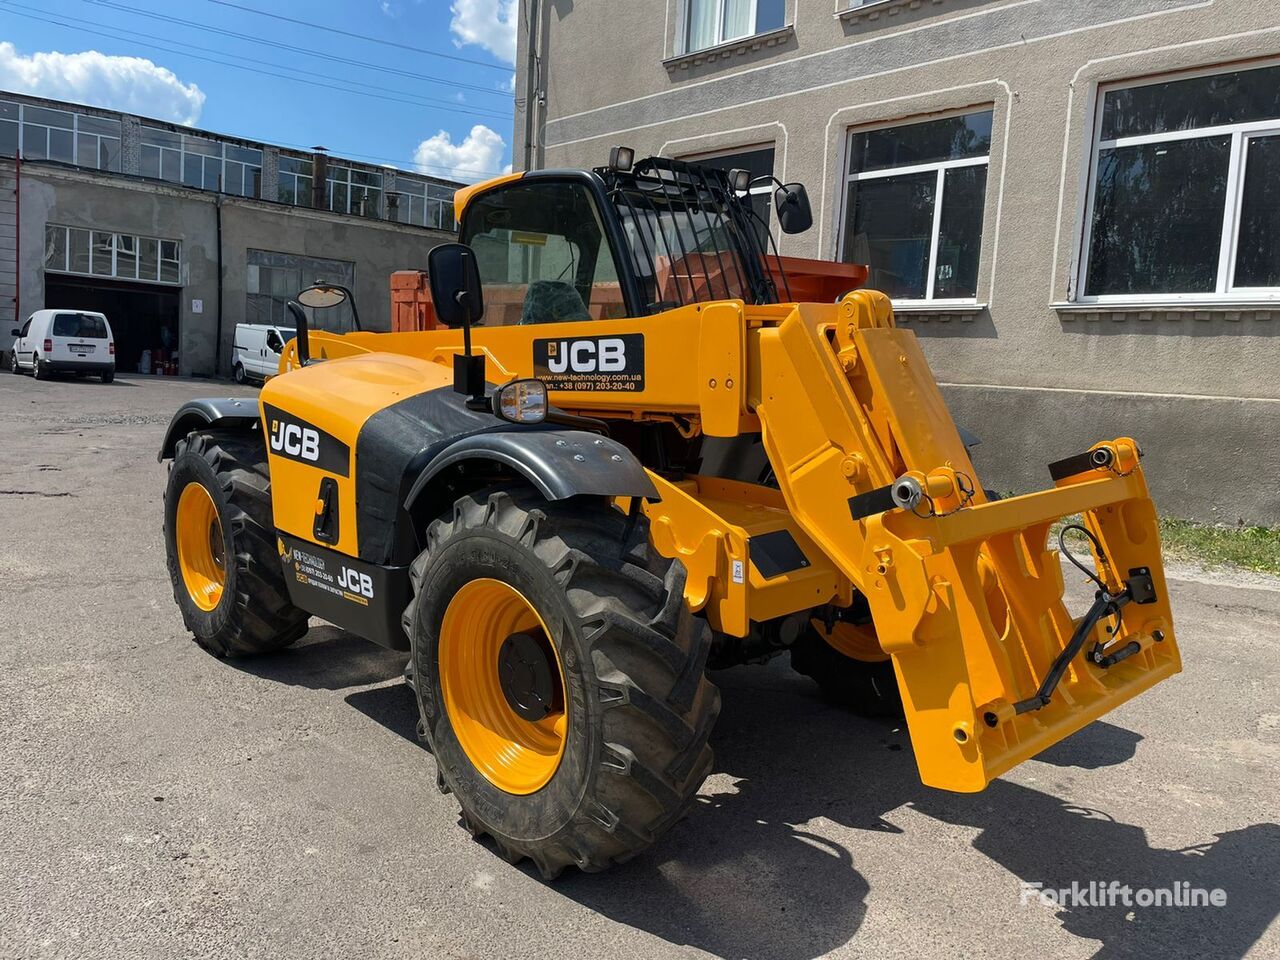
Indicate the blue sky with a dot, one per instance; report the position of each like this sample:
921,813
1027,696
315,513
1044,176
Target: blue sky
442,107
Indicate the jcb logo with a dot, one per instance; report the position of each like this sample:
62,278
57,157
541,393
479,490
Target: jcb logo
295,441
292,437
591,363
605,355
356,582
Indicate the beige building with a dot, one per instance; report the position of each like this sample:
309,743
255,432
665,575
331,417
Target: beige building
1074,203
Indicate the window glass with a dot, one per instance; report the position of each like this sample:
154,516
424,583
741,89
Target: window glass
8,110
49,118
760,163
543,255
84,326
1153,231
126,257
102,125
710,22
62,146
8,138
161,138
102,249
1258,249
109,154
273,279
1241,96
148,259
960,233
87,151
889,224
55,247
953,138
78,247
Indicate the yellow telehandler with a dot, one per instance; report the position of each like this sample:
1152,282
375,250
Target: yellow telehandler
626,457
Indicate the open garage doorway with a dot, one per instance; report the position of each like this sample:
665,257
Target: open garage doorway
143,316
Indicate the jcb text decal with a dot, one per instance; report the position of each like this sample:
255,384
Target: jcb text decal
295,439
591,363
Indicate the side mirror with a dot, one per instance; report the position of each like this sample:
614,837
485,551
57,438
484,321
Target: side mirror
454,277
320,295
15,332
791,200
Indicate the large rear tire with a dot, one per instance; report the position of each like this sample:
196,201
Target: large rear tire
572,599
225,569
849,669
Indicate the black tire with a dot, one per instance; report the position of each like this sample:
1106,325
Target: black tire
633,658
237,373
38,368
108,376
13,362
253,615
868,688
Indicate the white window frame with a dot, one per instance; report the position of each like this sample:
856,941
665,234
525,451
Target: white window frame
1241,134
113,273
941,166
220,159
74,130
687,26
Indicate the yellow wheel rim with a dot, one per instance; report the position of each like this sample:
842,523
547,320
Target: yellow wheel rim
200,551
516,754
855,642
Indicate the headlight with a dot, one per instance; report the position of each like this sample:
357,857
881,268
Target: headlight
521,401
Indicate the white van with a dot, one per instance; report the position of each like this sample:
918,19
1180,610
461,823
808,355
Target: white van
257,350
64,341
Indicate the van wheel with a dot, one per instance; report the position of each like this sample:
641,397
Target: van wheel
225,569
237,373
13,362
38,369
560,678
108,376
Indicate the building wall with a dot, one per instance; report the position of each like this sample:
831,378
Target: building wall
114,203
1030,370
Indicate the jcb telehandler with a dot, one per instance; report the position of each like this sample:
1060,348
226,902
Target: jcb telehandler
627,457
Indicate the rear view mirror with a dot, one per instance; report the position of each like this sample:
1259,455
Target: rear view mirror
320,296
15,332
791,200
454,277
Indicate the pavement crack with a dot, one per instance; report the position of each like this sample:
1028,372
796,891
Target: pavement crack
33,493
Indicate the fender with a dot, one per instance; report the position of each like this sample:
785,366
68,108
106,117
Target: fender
208,412
559,463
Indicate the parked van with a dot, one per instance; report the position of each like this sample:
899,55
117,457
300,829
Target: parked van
64,341
257,350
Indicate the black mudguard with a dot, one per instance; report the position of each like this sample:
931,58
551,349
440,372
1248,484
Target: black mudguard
208,412
401,449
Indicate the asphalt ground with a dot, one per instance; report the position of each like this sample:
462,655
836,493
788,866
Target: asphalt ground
158,802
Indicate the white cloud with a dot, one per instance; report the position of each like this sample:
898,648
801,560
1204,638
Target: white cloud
477,157
486,23
130,84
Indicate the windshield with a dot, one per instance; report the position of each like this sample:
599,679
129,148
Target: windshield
689,241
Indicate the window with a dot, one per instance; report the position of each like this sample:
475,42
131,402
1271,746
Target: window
712,22
160,154
39,133
105,254
913,206
543,255
273,279
355,191
760,162
1184,200
295,181
200,163
421,203
85,326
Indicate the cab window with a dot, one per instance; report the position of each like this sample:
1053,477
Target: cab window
543,255
25,327
274,343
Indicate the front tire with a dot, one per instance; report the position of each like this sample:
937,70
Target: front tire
849,668
226,573
616,747
13,362
237,373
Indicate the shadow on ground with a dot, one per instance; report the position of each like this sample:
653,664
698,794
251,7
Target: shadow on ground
746,876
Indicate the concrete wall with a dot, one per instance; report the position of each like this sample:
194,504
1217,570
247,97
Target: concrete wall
1198,386
77,198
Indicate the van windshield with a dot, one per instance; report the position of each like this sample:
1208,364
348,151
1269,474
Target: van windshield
86,326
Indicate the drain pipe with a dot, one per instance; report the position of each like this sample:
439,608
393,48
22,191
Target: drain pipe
217,344
17,241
